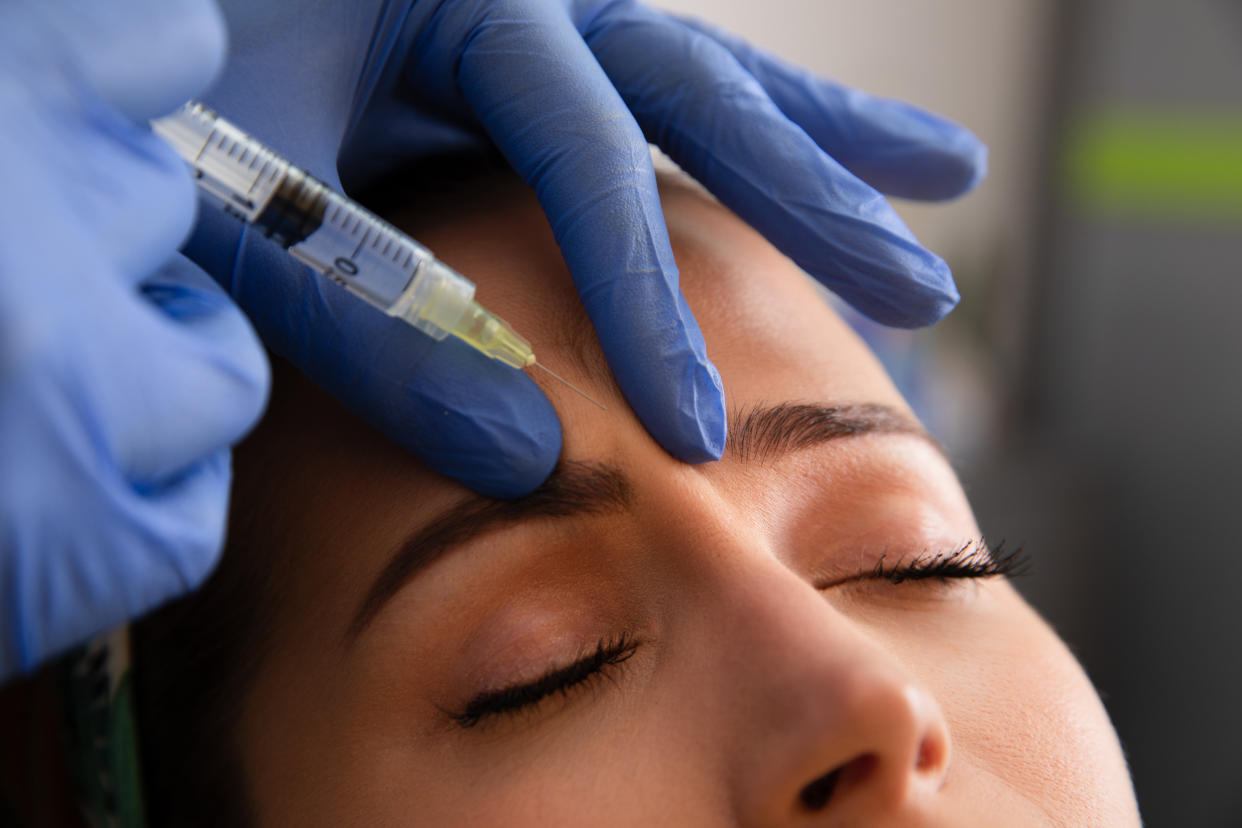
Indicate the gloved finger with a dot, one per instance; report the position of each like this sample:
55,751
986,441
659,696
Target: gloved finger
120,420
197,374
297,69
145,57
717,122
183,520
134,195
897,148
467,416
544,100
162,542
82,167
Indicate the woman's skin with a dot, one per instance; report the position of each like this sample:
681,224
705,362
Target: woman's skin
764,677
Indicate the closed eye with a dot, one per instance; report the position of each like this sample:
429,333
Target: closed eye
973,560
608,654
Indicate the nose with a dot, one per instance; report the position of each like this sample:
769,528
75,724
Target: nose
883,752
840,732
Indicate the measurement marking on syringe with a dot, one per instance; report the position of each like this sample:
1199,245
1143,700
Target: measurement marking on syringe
259,176
354,255
205,145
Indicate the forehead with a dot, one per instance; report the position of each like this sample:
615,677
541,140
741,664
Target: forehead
768,330
767,327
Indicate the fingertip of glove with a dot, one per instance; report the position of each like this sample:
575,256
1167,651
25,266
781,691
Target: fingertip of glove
695,428
936,308
185,518
926,297
968,168
916,154
711,417
495,433
509,481
980,158
505,459
221,334
939,173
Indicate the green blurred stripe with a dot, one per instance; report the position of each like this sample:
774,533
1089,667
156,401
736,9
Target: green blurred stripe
1160,164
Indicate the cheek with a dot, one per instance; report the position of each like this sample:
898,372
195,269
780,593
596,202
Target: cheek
1022,711
626,771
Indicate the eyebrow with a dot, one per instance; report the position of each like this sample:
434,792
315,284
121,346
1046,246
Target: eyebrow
767,432
759,434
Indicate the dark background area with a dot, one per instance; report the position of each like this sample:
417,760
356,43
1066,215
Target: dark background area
1119,451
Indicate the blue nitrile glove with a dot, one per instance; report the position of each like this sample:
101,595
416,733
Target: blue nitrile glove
570,92
125,372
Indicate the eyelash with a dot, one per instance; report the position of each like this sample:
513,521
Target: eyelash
608,654
972,560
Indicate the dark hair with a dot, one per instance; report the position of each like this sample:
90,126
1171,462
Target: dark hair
193,659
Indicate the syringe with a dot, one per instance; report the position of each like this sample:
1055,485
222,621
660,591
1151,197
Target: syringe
337,237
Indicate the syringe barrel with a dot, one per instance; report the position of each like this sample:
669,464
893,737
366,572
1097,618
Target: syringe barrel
365,254
318,226
229,165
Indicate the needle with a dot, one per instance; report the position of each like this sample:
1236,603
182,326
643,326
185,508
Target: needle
569,385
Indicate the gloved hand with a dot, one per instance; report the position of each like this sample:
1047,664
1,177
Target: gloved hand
125,372
570,91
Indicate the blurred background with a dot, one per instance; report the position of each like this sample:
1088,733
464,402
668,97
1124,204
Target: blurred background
1089,385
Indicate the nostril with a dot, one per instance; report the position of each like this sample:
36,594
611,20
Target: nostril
930,755
817,793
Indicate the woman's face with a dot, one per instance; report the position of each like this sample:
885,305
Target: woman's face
644,642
